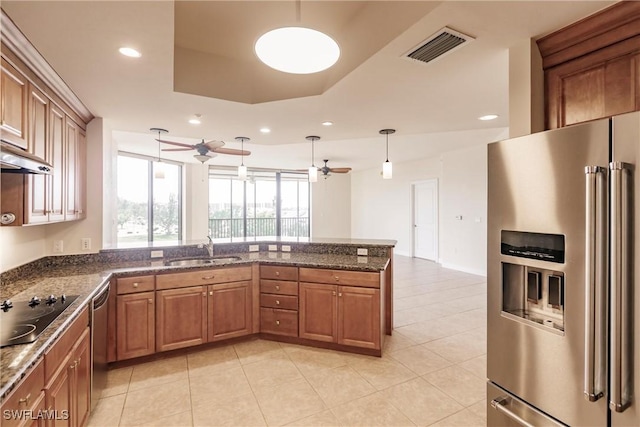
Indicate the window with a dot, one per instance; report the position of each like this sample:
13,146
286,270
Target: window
149,208
266,204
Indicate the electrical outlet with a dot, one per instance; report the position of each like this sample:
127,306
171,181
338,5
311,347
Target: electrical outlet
254,248
363,251
85,243
285,248
273,247
58,246
157,254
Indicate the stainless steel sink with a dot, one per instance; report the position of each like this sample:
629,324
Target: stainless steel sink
201,261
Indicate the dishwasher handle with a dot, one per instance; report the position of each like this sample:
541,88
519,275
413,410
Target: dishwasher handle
101,298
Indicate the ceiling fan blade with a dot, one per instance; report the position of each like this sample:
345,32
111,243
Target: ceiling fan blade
177,149
232,151
212,145
339,170
179,144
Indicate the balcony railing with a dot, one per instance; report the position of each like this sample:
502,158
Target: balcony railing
289,227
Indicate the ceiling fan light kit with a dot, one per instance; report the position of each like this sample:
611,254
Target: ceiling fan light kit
387,167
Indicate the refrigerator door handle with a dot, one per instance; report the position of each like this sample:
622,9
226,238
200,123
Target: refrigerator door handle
595,282
620,348
503,404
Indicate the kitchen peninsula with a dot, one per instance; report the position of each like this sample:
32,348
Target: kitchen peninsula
329,293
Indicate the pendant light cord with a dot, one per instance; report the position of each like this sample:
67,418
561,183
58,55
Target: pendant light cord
312,152
387,147
298,11
242,152
159,144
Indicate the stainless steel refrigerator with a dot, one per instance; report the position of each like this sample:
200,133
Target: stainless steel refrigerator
563,312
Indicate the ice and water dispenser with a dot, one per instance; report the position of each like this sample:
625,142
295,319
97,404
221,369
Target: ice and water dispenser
531,293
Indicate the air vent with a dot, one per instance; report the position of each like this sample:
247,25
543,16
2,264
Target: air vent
437,45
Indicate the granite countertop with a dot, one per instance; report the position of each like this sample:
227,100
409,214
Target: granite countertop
87,279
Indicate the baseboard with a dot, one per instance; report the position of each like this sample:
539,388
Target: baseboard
401,253
464,269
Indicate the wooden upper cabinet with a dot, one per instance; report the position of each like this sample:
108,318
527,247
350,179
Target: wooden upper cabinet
56,179
13,105
592,67
71,168
81,176
37,187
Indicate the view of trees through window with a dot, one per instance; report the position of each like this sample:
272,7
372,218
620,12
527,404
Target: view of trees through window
252,207
148,206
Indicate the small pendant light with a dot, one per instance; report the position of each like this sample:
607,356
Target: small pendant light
313,170
242,169
387,168
159,172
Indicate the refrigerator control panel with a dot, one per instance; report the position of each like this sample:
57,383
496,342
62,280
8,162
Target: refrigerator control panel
533,295
540,246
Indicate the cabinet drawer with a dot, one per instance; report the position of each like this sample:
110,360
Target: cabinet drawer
54,356
203,277
279,322
25,395
340,277
129,285
286,302
277,272
278,287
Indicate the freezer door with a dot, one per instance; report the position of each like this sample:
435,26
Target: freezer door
625,286
536,275
506,410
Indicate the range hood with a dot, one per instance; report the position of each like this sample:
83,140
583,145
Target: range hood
15,160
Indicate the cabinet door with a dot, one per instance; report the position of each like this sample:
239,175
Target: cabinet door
82,383
70,162
38,408
229,310
56,158
59,394
81,176
181,317
135,325
359,317
36,192
13,106
318,312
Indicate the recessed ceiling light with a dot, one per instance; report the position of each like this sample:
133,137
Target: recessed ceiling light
195,120
327,123
297,50
265,130
488,117
130,52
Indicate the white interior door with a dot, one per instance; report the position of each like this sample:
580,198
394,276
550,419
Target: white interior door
425,217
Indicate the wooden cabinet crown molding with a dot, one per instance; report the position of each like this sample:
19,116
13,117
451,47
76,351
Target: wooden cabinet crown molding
607,27
13,38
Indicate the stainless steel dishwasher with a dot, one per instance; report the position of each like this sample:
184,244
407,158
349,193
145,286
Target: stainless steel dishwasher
99,344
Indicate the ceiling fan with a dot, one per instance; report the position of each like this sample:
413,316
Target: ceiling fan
204,148
326,169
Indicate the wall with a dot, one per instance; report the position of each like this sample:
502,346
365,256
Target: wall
463,193
331,206
21,245
382,209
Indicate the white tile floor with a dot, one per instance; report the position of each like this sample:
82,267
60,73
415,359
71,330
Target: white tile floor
432,372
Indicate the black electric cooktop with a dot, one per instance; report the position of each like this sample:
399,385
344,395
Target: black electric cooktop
21,322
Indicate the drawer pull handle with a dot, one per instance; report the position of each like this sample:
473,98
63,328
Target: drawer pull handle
278,322
337,278
277,273
208,277
135,284
340,294
211,293
150,301
277,302
25,400
277,287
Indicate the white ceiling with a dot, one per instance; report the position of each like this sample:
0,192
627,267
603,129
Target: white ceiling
433,107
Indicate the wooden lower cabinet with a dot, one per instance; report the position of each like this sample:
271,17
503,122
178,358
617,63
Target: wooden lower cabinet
319,312
229,310
68,392
135,325
346,315
181,317
27,396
